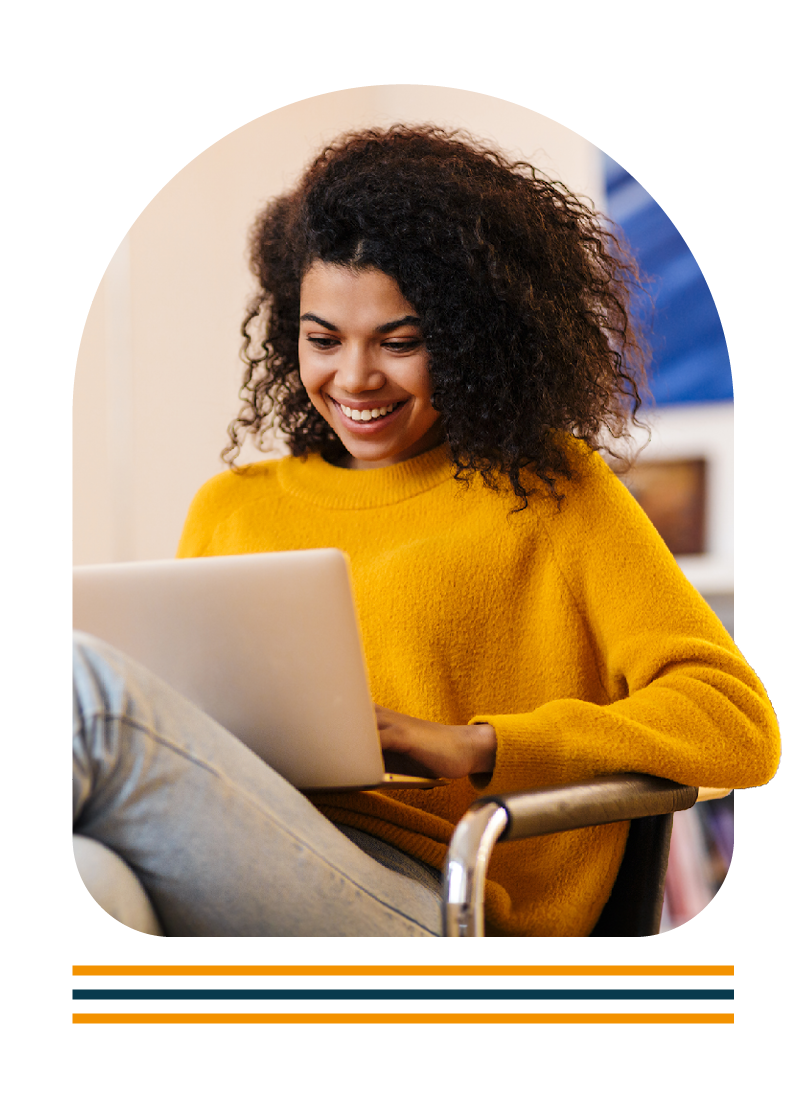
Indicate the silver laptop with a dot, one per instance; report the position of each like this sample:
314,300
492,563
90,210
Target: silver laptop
267,644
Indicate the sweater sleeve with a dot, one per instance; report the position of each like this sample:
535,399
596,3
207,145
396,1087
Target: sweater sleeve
682,701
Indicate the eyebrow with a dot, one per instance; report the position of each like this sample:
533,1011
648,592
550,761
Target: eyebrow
384,328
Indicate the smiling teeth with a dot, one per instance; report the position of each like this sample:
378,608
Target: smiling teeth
367,413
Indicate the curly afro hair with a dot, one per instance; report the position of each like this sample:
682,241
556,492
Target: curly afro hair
524,294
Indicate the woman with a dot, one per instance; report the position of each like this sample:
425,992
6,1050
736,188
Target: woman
445,339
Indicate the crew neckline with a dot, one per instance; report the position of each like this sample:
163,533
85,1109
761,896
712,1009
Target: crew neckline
323,484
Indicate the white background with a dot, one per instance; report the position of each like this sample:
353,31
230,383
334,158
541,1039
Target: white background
105,103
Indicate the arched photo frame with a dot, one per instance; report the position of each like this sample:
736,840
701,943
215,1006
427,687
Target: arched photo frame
158,371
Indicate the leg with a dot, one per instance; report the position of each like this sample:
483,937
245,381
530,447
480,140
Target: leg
222,844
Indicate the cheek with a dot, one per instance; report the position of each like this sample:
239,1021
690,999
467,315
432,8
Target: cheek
425,386
310,375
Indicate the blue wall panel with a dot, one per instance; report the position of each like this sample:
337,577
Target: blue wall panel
690,358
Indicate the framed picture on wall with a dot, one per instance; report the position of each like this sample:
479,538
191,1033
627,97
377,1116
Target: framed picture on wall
672,492
683,478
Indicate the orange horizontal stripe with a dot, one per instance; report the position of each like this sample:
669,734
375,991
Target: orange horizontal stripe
400,970
408,1018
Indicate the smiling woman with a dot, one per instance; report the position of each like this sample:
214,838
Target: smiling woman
364,365
461,327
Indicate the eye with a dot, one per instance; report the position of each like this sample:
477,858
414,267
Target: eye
322,341
402,346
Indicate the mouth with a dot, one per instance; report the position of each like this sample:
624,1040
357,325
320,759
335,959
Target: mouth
368,417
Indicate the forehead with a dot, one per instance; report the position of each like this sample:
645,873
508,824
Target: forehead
359,298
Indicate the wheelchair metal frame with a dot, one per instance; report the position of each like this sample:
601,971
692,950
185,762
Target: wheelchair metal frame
515,816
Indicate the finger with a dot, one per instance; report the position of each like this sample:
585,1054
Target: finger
402,763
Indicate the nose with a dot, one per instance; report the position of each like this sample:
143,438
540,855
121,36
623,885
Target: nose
357,372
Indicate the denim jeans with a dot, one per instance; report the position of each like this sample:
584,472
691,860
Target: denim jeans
223,846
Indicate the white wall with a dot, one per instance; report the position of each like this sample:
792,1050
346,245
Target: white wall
158,372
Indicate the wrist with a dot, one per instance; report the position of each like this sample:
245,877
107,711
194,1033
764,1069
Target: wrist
484,744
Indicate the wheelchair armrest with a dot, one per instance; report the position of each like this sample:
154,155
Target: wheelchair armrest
618,797
514,816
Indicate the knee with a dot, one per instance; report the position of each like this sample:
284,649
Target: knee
87,649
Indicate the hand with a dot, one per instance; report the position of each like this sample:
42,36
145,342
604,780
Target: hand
442,750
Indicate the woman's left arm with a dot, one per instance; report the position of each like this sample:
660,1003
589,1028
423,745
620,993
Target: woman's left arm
682,702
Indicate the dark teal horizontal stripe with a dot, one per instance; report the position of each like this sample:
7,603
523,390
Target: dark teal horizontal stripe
403,993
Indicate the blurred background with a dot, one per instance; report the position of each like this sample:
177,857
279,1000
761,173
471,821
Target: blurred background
158,371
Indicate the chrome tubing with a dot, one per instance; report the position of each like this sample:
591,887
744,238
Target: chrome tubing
467,860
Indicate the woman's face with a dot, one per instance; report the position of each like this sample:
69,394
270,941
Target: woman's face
361,352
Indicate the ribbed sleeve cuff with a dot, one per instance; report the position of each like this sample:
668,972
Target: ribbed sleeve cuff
527,757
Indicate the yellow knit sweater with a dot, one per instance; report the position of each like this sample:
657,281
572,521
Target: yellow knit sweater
572,631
